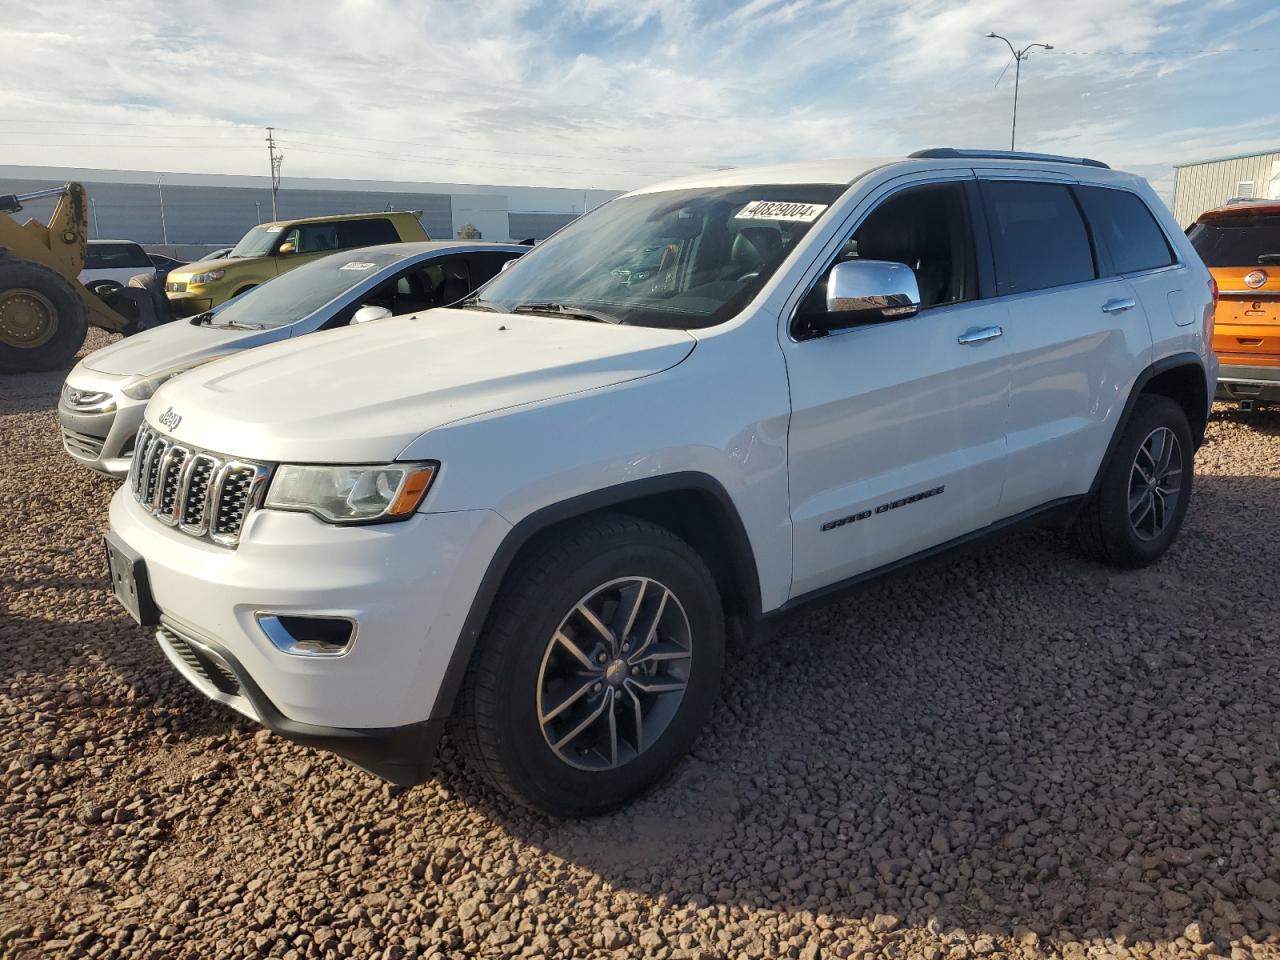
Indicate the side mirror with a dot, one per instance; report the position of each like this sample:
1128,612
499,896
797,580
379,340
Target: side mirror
288,247
507,263
865,291
369,312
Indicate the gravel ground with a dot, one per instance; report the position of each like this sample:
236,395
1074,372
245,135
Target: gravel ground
1011,753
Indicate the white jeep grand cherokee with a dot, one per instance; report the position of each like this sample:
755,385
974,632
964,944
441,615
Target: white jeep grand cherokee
532,518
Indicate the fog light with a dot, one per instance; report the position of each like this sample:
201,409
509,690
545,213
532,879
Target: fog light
307,636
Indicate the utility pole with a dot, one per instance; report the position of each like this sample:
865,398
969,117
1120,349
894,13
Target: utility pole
1018,56
164,230
276,159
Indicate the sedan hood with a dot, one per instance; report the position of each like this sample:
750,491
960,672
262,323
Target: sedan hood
362,394
174,344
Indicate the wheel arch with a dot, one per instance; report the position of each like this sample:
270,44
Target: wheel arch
1181,378
695,506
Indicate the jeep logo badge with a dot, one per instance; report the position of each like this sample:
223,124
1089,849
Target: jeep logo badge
1255,279
170,420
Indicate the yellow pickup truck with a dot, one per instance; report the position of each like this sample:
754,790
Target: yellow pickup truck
270,249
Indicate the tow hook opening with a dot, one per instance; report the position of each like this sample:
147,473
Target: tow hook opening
308,636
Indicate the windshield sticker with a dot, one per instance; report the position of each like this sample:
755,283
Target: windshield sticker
273,229
781,210
358,265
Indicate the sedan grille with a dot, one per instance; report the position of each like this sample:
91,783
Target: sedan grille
203,494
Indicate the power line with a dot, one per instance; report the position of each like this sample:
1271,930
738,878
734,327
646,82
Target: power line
1160,53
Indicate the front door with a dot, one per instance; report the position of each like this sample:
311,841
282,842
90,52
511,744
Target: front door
897,427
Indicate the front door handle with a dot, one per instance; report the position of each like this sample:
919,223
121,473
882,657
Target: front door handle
1119,305
979,335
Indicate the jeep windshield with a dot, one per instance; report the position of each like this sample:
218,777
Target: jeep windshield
683,259
1236,241
303,290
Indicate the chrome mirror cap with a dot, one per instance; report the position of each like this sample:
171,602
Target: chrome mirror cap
872,290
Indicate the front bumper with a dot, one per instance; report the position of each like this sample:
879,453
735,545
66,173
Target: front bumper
408,586
401,755
102,440
188,305
1246,382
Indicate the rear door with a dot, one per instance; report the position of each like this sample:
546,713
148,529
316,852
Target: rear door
1076,338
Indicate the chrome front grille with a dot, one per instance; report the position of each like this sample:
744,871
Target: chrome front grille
201,493
82,444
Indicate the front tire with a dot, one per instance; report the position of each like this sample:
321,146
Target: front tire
597,670
1138,508
42,318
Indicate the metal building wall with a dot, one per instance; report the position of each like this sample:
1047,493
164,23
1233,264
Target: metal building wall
1202,186
221,215
537,226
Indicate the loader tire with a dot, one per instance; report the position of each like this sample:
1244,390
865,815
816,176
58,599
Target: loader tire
42,318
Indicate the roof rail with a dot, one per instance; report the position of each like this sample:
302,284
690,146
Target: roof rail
951,153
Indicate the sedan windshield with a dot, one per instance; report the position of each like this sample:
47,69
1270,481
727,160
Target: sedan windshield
257,242
304,290
680,258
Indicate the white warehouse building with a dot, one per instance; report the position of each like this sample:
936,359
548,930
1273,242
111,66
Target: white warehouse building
1206,184
187,211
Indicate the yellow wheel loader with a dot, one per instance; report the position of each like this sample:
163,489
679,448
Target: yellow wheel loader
44,309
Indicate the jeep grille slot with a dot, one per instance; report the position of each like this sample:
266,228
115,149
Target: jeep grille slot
203,494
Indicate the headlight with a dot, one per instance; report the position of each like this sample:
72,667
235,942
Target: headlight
355,494
143,387
208,276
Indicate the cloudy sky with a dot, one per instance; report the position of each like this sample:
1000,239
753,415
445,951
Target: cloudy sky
617,93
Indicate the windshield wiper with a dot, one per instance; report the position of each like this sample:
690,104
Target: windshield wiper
201,318
475,303
565,310
1269,258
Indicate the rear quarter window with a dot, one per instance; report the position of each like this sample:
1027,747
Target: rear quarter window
1126,229
1038,236
366,233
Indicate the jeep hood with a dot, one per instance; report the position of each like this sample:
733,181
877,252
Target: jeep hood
175,344
362,394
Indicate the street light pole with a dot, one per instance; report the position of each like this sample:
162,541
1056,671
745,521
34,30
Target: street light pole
164,230
1018,56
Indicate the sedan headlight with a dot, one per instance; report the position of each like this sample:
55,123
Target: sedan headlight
144,386
209,276
354,494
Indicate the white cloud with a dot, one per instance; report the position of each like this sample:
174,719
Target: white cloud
614,93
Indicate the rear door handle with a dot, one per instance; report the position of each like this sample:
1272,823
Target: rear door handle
980,335
1119,305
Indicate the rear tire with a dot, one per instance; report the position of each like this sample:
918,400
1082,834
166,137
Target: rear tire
42,318
1135,514
543,667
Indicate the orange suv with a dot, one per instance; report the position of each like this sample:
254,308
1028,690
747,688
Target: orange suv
1240,244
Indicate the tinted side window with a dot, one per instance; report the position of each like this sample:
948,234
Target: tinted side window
112,256
1125,227
486,265
366,233
927,228
1038,235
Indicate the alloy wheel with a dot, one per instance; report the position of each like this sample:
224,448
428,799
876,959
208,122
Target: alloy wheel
614,673
1155,483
